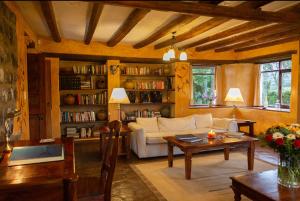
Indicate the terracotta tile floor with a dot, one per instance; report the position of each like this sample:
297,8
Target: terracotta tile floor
127,185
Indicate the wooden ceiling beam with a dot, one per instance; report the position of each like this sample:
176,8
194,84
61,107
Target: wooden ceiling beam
237,29
94,19
49,15
269,38
247,36
267,44
205,9
181,20
210,24
134,17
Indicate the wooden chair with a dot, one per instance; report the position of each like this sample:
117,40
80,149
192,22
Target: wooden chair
108,163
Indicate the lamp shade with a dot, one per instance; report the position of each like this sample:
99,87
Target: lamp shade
166,57
183,56
171,53
234,95
118,95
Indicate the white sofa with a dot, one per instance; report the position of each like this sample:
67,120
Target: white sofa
147,141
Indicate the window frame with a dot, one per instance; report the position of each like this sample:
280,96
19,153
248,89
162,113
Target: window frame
197,66
280,73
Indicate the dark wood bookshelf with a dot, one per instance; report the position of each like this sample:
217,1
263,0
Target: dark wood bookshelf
79,123
169,103
150,75
81,91
150,89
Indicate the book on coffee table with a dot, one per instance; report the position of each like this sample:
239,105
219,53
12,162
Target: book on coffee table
188,138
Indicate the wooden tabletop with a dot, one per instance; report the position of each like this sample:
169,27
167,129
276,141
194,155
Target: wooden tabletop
16,178
264,186
210,142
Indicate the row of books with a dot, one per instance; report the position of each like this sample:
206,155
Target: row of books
142,70
85,84
142,113
92,99
150,84
81,132
69,83
90,69
68,117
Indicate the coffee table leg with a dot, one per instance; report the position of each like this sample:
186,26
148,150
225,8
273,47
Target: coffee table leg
226,153
170,154
188,164
237,194
251,150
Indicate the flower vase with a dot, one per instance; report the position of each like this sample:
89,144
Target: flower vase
289,171
210,104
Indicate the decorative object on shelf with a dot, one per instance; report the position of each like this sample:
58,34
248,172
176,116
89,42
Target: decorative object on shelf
285,139
165,111
167,70
119,96
101,83
132,97
171,53
69,100
9,125
101,115
155,97
145,97
211,134
113,68
129,84
234,95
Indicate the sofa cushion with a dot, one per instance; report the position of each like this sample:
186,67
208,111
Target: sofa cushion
176,124
203,120
148,124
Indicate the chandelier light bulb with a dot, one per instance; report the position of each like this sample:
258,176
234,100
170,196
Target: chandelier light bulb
171,53
166,57
183,56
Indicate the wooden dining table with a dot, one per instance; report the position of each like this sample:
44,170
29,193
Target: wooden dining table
40,181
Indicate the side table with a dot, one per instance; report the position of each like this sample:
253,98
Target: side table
246,123
262,186
125,148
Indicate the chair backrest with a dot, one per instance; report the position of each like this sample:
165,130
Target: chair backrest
110,159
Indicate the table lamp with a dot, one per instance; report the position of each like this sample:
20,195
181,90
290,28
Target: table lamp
119,96
234,95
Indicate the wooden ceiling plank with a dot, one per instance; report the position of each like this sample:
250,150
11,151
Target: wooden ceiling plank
181,20
134,17
269,38
210,24
49,15
267,44
246,36
238,29
211,10
93,22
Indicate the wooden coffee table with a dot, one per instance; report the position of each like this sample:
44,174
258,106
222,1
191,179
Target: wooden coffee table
226,143
262,187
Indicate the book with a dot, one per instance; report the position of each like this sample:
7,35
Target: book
186,137
192,140
36,154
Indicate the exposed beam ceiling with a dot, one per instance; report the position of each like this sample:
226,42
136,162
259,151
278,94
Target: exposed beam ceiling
259,40
212,23
95,15
238,29
181,20
49,15
134,17
211,10
267,44
247,36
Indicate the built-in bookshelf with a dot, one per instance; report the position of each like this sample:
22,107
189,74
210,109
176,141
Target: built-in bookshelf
83,97
150,89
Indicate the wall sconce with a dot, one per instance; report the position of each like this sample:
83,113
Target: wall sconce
114,68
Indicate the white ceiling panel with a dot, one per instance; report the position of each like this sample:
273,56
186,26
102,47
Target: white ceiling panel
111,19
71,18
32,12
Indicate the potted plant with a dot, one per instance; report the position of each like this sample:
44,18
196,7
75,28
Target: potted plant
285,140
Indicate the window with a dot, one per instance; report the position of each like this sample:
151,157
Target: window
203,90
275,84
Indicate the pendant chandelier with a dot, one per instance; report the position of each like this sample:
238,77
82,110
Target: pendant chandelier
171,53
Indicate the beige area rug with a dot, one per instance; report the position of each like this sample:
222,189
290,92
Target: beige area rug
210,176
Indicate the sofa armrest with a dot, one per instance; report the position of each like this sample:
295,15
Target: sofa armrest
226,124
